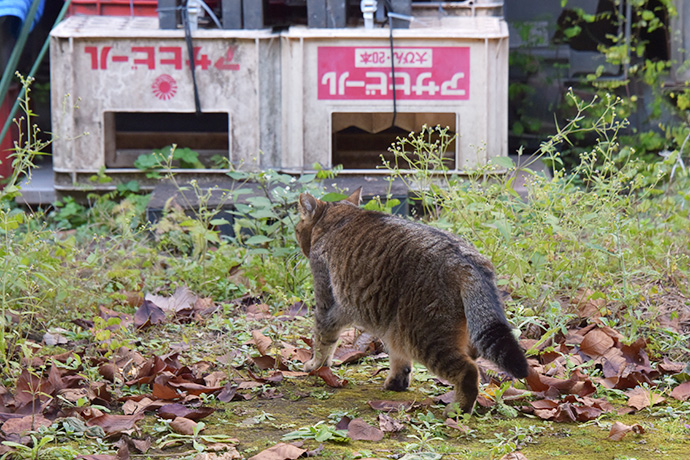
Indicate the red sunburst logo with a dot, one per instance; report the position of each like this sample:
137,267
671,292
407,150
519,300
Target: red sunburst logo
164,87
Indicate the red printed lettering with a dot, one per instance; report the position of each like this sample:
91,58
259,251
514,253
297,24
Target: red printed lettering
104,56
421,73
149,60
175,60
200,60
93,51
167,56
226,62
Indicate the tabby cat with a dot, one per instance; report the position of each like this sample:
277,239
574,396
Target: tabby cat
417,288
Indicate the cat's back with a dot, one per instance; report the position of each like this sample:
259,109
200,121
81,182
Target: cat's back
380,260
356,235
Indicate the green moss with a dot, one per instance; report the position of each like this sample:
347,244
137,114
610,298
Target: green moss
662,438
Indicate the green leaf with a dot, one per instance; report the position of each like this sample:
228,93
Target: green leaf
503,162
324,434
237,175
258,239
219,221
262,214
260,201
333,196
393,202
147,161
16,445
573,31
421,456
307,178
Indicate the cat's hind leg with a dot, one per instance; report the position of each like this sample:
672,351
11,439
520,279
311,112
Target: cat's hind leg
454,365
399,375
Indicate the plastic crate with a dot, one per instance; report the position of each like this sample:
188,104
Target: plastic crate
337,92
114,7
137,95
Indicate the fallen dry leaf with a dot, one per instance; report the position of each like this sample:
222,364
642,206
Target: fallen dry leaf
30,386
53,337
171,411
359,430
327,375
344,355
290,352
388,424
681,392
343,423
182,299
448,397
214,378
280,451
132,406
229,393
269,362
295,310
514,456
110,372
388,406
571,408
315,452
164,392
619,430
149,314
451,423
140,445
230,453
75,394
595,343
24,424
261,342
258,312
181,384
639,398
114,424
669,367
183,425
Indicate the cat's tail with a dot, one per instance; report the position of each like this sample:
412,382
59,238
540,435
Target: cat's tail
490,332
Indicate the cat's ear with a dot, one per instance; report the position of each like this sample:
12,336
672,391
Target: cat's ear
356,197
307,206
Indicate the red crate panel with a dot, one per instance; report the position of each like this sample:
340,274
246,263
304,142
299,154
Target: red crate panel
114,7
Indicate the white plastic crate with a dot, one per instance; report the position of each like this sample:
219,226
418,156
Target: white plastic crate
335,77
116,78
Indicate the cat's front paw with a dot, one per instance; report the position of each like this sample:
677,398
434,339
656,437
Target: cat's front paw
398,382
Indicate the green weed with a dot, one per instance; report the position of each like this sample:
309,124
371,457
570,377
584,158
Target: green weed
605,225
319,432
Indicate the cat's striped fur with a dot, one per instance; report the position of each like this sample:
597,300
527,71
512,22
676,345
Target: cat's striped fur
420,289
